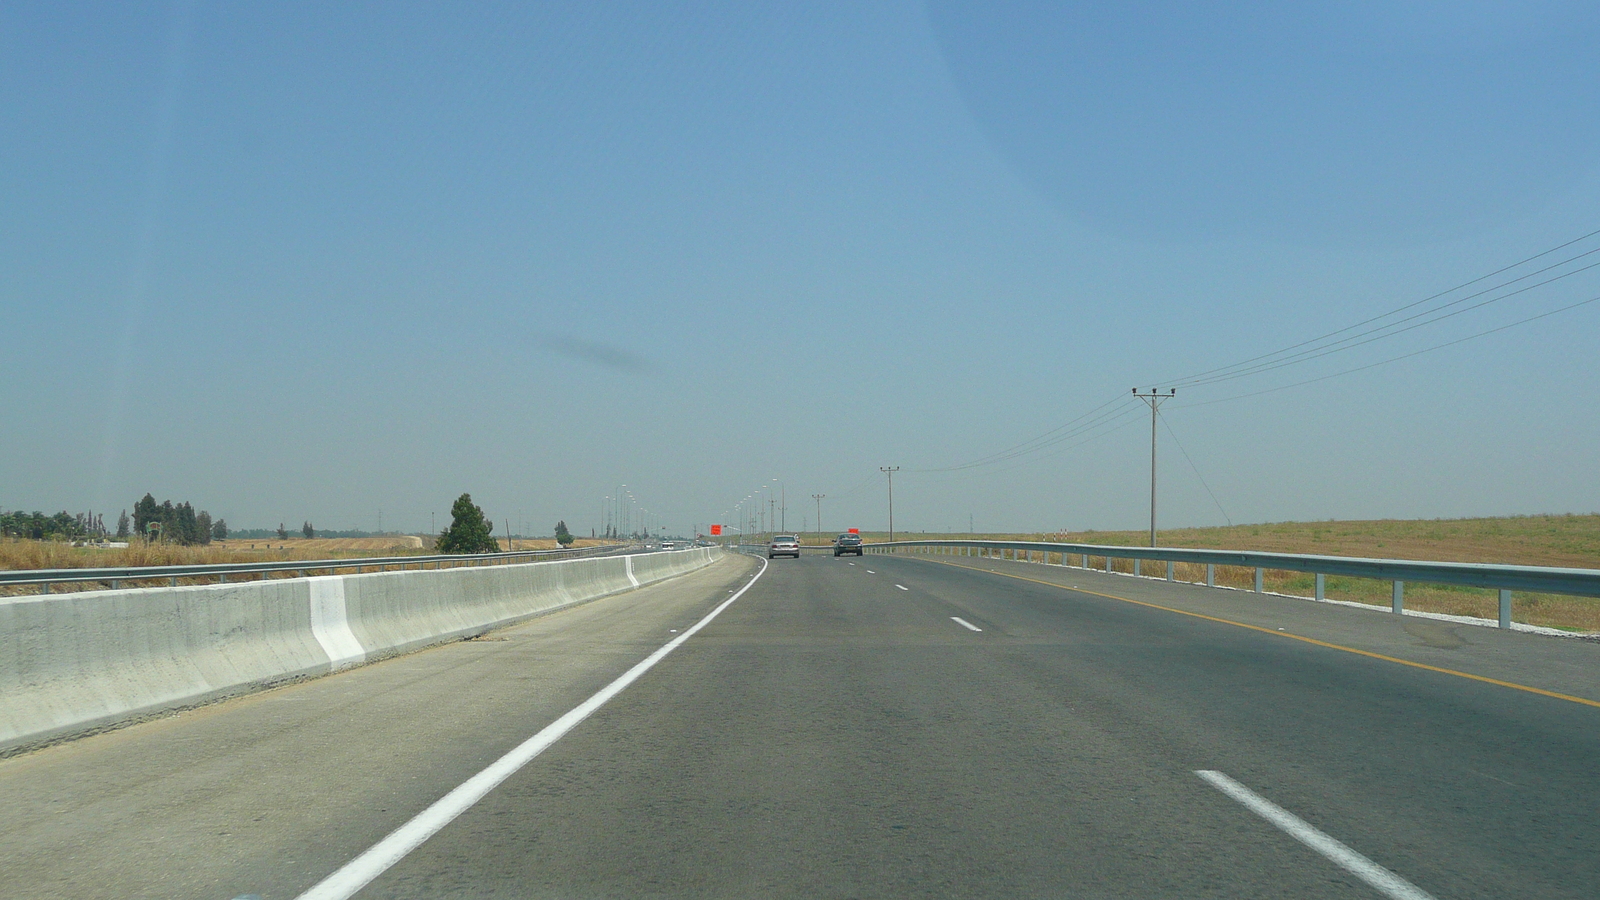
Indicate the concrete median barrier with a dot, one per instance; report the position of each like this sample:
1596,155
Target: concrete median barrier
72,664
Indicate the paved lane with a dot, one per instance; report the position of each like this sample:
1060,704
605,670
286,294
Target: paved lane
840,732
269,793
886,727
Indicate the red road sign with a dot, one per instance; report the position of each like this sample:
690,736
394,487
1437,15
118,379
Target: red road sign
716,529
855,531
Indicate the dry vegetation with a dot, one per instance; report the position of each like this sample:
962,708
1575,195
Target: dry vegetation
19,554
1566,540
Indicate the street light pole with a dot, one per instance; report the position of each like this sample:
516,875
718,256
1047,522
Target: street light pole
818,498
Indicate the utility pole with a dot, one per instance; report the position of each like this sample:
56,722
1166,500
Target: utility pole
818,498
772,507
890,470
1154,399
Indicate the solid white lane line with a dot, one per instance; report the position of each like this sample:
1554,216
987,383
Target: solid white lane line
377,859
902,587
964,623
1380,879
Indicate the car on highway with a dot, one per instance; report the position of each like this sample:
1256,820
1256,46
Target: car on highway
847,543
784,545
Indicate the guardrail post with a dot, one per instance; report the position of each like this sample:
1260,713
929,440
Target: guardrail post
1505,608
174,581
1086,560
1322,586
1136,567
1398,604
1169,570
1211,574
222,578
44,587
1258,579
115,584
1108,563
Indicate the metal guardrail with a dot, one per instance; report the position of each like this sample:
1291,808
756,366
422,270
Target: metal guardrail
1506,579
115,576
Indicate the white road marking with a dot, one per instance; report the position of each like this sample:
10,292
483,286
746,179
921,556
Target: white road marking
870,572
1380,879
849,564
377,859
902,587
964,623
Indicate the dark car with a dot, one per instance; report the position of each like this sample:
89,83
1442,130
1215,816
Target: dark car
847,543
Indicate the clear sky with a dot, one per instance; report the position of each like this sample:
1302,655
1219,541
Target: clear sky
312,261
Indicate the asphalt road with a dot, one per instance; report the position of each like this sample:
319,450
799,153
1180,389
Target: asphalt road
882,727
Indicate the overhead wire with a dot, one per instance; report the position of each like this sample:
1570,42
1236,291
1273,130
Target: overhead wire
1393,359
1116,409
1227,518
1384,331
1180,382
1096,417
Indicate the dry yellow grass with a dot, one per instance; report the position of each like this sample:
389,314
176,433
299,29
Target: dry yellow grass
1565,540
16,554
325,548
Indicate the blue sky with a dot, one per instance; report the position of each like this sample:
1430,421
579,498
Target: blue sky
292,262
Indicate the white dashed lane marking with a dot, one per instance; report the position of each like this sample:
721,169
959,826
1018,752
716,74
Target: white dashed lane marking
1380,879
964,623
902,587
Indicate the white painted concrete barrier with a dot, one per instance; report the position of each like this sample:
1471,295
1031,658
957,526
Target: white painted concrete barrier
71,664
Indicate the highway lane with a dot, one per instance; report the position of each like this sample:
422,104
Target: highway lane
880,727
841,732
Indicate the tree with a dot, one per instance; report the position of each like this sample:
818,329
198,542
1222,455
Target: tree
308,531
283,533
468,531
563,536
202,527
219,530
185,529
145,512
122,524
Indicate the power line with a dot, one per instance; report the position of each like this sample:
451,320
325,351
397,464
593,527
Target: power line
1100,416
1115,410
1187,380
1384,362
1381,332
1196,469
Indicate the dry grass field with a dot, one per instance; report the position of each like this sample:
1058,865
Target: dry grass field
15,554
1566,540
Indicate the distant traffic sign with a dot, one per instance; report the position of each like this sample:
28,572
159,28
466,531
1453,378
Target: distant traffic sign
716,529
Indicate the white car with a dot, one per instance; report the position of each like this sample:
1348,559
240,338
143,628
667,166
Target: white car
784,545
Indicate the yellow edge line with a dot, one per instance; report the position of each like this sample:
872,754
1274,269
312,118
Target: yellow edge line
1284,634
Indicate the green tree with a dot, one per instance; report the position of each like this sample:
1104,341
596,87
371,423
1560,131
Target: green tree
219,530
145,512
283,533
563,536
202,527
469,530
122,525
308,531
